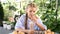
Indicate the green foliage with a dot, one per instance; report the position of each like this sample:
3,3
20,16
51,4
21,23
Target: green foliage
12,8
1,12
21,12
49,15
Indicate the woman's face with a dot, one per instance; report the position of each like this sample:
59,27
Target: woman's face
31,11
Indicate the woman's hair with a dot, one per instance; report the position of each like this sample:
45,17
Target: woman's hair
31,5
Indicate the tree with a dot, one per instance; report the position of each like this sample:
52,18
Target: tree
1,15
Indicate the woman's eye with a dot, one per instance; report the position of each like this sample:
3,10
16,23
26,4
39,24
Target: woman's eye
33,11
30,11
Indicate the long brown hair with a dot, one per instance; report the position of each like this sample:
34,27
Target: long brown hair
26,21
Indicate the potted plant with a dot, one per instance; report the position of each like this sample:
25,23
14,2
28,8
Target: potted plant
8,25
4,25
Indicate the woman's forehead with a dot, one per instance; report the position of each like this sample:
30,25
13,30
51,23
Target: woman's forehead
32,8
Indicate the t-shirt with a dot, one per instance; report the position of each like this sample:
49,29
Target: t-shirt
21,21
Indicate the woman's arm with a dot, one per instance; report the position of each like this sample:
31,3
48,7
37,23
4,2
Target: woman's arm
40,26
38,22
24,30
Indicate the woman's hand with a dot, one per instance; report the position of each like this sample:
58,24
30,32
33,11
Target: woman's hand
31,32
33,18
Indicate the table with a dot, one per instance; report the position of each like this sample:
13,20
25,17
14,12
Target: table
5,31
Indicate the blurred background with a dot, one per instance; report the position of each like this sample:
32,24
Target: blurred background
48,11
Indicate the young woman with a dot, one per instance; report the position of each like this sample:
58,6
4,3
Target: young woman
24,22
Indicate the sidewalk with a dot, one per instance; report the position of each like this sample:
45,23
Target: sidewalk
5,31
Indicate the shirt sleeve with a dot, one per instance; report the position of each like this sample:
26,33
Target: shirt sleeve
40,21
20,22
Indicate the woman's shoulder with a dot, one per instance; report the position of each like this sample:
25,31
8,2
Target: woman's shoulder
23,15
